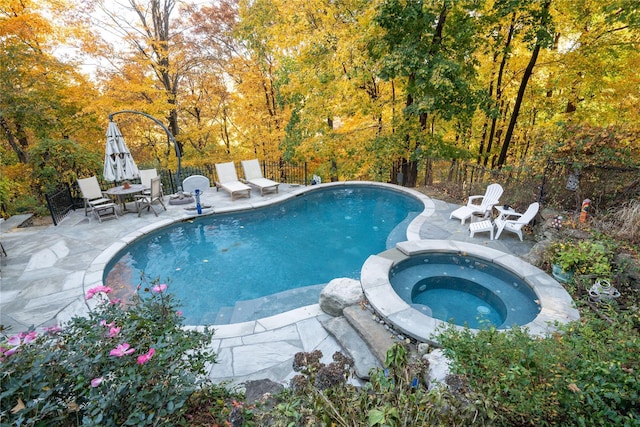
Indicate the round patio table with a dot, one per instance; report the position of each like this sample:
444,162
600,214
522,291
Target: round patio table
122,193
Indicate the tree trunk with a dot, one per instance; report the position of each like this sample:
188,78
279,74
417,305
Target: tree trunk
428,172
516,107
17,148
523,86
503,64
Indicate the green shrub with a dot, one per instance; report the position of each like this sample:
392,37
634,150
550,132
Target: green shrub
123,364
584,375
585,257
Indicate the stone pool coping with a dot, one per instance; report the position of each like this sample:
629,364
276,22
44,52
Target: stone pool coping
95,272
555,302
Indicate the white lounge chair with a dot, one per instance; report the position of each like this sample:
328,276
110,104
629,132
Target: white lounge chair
516,225
253,175
94,200
228,181
480,205
147,200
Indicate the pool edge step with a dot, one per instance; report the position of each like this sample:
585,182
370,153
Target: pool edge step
353,344
378,338
366,340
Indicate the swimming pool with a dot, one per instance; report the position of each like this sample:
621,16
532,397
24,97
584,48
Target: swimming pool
240,266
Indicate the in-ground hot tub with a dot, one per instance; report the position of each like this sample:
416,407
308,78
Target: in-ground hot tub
414,290
464,290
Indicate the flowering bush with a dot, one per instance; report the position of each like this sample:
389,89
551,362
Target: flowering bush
127,364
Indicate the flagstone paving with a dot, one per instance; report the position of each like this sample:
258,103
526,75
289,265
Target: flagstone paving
47,268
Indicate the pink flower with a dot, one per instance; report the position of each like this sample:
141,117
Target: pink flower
91,292
122,350
96,381
14,340
52,329
107,325
159,288
29,337
113,331
12,350
116,301
144,358
179,313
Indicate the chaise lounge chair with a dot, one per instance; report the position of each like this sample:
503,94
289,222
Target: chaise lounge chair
253,175
94,201
228,181
515,225
483,208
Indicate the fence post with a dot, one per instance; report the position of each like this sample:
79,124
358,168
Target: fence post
49,205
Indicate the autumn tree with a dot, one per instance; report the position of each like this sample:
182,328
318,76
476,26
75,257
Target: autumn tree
314,60
578,75
40,95
541,37
43,98
144,41
205,98
256,71
428,48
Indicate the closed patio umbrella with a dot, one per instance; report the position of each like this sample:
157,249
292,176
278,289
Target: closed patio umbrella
118,162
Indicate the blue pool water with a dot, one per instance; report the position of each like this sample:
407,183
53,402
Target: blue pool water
464,290
216,263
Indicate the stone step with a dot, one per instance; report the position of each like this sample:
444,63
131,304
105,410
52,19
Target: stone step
365,339
224,316
14,222
377,337
353,344
275,303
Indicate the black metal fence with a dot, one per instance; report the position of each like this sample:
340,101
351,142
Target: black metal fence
552,183
60,203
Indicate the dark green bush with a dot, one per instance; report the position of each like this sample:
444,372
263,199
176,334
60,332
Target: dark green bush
586,374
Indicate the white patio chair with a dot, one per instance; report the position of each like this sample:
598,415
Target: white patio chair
479,205
147,200
253,176
228,181
94,200
145,179
516,225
